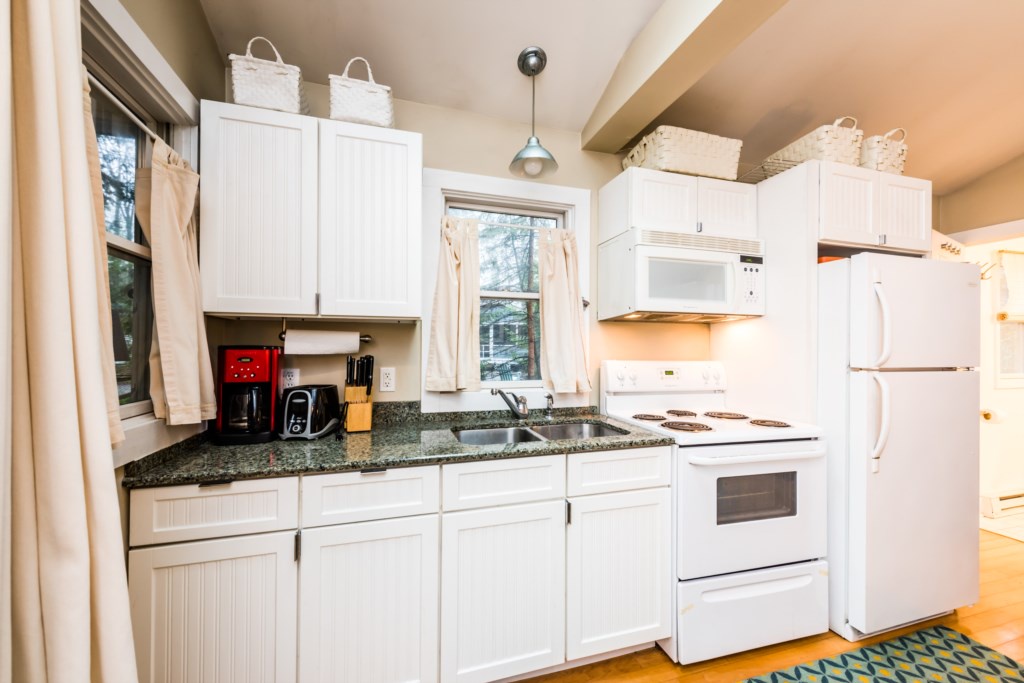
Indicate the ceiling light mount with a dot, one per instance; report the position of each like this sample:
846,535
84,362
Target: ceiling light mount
532,161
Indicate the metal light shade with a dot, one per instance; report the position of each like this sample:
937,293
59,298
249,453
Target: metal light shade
532,161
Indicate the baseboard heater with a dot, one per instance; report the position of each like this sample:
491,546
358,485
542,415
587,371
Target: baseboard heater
1001,505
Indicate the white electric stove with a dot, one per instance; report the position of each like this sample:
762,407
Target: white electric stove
750,508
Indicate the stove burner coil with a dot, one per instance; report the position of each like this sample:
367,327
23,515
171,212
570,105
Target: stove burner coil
687,426
769,423
648,417
682,413
721,415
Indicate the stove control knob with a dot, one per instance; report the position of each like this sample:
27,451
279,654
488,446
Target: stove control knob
705,373
718,376
621,374
632,378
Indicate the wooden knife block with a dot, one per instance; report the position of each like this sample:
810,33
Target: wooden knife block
360,410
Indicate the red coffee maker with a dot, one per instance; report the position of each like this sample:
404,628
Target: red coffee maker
246,394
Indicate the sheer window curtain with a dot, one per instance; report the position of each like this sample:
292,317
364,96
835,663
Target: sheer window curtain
563,355
180,373
69,615
453,360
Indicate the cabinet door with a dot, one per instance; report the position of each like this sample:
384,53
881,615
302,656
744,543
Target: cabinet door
258,213
369,602
502,591
662,201
726,209
619,571
370,208
905,212
220,610
849,212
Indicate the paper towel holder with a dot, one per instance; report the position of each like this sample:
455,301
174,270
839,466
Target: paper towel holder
363,338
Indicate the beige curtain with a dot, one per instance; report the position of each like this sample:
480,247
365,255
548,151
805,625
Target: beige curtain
6,143
453,358
180,374
563,357
70,615
102,276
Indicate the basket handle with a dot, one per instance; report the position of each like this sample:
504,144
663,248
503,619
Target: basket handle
369,73
842,119
248,48
903,138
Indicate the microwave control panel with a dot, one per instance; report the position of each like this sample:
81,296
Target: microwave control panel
751,284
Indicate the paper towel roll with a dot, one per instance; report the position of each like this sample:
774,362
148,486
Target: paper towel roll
320,342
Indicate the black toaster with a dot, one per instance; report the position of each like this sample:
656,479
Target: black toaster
308,411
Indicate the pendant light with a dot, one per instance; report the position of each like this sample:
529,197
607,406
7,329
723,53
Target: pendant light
533,161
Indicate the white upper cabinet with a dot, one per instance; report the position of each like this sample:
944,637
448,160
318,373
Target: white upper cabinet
646,199
370,185
257,210
726,209
305,216
861,207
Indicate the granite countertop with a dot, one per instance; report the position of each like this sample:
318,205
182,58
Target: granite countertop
401,437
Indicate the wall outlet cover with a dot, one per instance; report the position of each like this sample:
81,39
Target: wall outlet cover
289,377
387,379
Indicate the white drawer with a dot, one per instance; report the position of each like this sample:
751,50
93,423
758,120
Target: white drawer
467,485
738,612
170,514
362,496
622,470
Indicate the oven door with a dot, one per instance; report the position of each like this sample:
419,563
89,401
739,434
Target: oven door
746,506
674,280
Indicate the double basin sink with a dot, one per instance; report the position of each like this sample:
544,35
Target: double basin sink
542,432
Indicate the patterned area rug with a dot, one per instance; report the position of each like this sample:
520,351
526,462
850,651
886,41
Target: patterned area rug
934,654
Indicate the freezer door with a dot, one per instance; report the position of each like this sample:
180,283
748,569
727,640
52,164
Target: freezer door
913,313
913,515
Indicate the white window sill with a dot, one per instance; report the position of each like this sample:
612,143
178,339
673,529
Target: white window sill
145,434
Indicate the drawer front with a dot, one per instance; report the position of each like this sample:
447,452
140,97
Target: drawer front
364,496
623,470
188,513
499,482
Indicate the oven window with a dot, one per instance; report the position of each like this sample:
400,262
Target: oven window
686,280
756,496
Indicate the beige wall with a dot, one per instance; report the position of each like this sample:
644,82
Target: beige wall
179,30
996,197
455,140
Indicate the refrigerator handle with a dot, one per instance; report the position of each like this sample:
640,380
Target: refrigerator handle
884,428
883,303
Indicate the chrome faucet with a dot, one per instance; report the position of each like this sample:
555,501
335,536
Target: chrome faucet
518,408
549,411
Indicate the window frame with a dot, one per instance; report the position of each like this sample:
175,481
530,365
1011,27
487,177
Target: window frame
442,188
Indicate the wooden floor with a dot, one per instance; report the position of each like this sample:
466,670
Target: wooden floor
997,621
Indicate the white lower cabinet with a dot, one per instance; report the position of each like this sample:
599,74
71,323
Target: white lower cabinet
619,571
502,591
221,610
369,600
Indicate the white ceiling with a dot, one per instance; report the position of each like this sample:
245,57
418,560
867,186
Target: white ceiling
452,53
949,71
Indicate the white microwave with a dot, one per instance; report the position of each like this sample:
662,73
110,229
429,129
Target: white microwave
654,276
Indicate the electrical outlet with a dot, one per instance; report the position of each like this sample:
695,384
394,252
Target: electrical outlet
289,377
387,379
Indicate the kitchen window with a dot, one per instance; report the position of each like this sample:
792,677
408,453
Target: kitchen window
511,213
124,147
509,291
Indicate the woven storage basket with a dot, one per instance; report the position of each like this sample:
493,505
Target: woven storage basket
833,142
680,150
361,101
265,83
882,153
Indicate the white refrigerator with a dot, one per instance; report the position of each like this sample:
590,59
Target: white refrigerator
898,398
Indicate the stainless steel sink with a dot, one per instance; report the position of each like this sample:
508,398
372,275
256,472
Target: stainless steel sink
485,437
576,430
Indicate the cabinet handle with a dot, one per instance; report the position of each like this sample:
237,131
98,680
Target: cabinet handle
881,240
568,512
318,303
216,482
700,226
373,470
298,544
